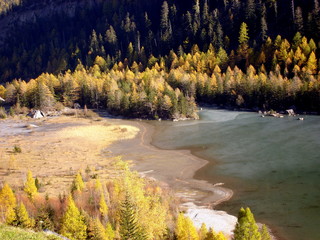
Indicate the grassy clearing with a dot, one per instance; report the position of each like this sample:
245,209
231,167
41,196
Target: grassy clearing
9,233
54,157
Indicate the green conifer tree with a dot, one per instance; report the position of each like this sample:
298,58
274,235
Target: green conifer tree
243,34
246,227
44,219
129,227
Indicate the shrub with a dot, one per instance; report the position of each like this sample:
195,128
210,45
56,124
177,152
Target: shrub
3,113
17,149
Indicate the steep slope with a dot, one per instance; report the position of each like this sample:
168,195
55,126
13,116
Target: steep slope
50,36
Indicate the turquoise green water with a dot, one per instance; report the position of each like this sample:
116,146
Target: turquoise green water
272,164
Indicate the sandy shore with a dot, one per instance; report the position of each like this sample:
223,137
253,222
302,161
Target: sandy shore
177,168
174,167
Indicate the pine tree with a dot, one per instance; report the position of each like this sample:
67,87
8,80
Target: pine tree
165,25
78,184
73,225
30,187
243,34
196,17
111,36
250,10
263,22
243,42
296,41
298,20
129,228
44,219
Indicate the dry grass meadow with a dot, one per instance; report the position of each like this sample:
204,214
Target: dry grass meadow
56,150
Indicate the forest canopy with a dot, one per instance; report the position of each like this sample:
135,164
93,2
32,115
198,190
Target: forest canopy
171,54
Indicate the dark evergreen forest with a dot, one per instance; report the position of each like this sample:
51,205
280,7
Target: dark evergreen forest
56,42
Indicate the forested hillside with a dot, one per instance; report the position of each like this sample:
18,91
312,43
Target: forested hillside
122,207
277,40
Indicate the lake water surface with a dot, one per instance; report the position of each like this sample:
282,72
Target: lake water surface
272,164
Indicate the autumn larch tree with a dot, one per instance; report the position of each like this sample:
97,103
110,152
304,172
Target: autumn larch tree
30,187
185,228
73,225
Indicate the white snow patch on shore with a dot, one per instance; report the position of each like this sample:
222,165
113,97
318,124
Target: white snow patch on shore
220,221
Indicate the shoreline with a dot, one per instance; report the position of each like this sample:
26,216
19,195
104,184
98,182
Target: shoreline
200,208
199,197
182,177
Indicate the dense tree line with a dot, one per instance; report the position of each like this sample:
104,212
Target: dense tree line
157,58
124,207
169,87
136,30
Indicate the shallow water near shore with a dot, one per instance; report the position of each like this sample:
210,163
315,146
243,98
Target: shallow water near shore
271,164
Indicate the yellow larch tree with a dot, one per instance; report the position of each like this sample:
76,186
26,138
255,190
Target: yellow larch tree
78,184
109,231
30,187
98,231
203,231
312,63
7,201
185,230
73,225
7,197
11,216
23,220
103,208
